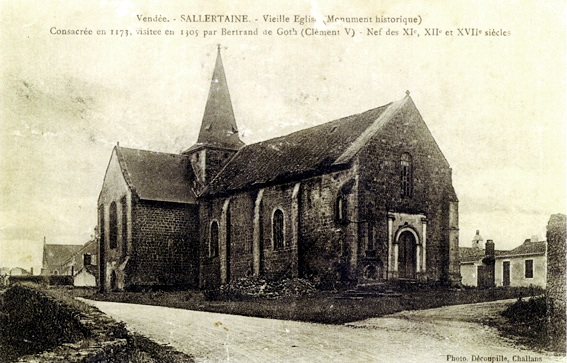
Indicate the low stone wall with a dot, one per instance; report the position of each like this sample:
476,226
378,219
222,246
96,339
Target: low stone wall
556,275
34,321
38,327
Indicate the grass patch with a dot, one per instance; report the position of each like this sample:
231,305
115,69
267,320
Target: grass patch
35,319
526,322
320,307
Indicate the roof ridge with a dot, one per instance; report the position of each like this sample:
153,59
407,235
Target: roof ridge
371,130
152,151
316,126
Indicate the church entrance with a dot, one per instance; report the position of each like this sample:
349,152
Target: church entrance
406,255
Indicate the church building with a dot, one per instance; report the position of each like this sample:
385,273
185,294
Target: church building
364,198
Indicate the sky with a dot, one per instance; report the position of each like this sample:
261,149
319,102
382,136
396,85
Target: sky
495,104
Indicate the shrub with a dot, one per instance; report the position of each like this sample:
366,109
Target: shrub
37,322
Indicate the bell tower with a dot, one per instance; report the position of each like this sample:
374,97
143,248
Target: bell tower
218,138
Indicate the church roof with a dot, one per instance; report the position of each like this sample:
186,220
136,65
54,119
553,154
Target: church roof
157,176
56,255
307,152
218,128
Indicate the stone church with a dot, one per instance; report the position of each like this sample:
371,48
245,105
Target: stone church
364,198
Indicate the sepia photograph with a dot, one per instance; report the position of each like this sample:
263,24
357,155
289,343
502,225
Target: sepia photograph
254,181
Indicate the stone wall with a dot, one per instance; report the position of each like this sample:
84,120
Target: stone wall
432,192
556,278
114,190
326,243
165,240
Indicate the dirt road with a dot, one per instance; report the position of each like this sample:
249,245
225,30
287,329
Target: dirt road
448,334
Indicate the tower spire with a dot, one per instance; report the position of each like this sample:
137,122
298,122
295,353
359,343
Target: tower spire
218,128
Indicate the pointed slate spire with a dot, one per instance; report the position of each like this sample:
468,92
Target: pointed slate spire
218,128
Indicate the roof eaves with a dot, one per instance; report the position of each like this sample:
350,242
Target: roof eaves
125,172
525,254
289,178
167,200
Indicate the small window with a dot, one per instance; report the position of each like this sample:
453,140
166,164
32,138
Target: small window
101,224
341,208
113,226
529,269
214,240
124,240
406,176
278,229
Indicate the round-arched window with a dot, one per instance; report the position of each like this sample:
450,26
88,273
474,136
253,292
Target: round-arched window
214,240
278,229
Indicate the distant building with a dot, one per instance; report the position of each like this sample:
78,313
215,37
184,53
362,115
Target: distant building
87,276
54,257
483,266
83,265
18,271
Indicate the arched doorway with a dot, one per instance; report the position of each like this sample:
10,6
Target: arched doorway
406,255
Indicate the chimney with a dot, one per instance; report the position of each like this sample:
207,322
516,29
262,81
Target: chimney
31,271
489,249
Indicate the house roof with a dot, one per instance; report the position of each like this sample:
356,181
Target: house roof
91,269
309,151
157,176
468,254
88,247
56,255
528,248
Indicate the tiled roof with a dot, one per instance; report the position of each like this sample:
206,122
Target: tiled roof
89,247
55,255
157,176
309,151
528,248
92,269
468,254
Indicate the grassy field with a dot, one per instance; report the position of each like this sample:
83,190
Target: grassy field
321,307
